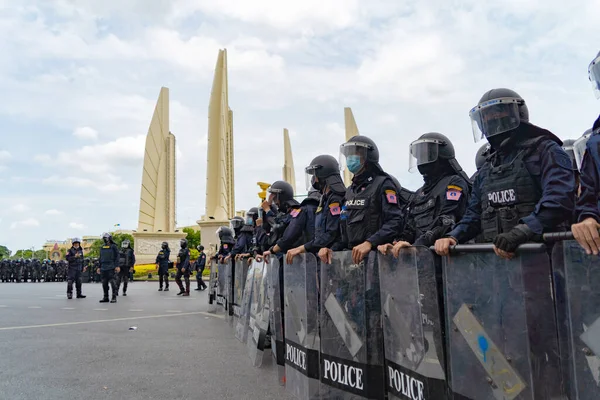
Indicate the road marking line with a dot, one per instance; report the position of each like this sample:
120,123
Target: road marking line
67,308
34,307
172,311
3,306
10,328
136,310
100,309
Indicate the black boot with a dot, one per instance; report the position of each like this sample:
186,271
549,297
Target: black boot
104,300
69,296
81,296
167,289
160,289
114,299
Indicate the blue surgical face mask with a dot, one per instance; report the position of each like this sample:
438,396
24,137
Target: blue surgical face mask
249,221
353,163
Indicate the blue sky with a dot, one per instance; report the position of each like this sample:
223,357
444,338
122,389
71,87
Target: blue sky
80,80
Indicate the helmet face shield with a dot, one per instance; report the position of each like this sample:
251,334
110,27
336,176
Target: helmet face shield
422,151
237,223
495,117
594,74
310,175
353,156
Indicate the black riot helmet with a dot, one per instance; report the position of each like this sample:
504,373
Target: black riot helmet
200,248
76,240
107,237
324,170
482,155
358,152
499,111
251,216
283,192
225,235
164,245
594,75
579,147
237,223
183,243
125,244
568,147
429,148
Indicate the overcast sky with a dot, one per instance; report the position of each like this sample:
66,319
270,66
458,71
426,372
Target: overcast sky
79,80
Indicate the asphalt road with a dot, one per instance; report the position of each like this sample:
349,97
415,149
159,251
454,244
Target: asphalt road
54,348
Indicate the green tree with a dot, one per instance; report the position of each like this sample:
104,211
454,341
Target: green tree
194,254
4,252
193,237
118,238
95,248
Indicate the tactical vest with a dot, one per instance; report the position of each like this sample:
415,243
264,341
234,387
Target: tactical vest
425,207
106,256
363,211
308,232
509,192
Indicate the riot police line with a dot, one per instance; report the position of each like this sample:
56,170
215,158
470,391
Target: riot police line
468,326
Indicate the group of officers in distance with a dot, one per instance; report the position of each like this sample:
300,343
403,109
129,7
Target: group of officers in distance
32,270
528,183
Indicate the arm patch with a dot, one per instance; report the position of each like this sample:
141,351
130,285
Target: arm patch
391,197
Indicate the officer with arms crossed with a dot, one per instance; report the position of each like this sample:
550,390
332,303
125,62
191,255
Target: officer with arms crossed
371,215
183,268
441,201
588,213
323,174
75,260
162,264
109,257
126,261
525,188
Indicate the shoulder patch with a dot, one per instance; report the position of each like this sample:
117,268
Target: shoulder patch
335,209
294,213
453,193
225,246
391,197
319,209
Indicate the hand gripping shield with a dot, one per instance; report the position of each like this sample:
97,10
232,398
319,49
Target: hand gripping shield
501,327
302,343
351,334
412,328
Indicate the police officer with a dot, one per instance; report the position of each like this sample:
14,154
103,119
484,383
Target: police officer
75,260
588,214
292,223
371,213
227,241
243,237
441,201
524,189
162,265
183,268
109,258
260,236
199,267
480,157
323,174
126,262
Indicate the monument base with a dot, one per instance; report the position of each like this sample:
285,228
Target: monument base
148,244
208,234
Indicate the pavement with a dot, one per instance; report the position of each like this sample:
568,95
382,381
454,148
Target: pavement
54,348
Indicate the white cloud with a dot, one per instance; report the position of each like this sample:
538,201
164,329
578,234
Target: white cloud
85,132
53,212
29,222
44,159
109,183
5,155
77,226
20,208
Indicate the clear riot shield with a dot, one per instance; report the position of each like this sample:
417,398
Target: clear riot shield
239,279
230,287
243,322
222,284
302,343
501,327
577,286
351,333
276,318
212,287
259,315
412,328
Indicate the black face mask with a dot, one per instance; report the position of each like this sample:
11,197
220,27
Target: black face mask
106,240
428,170
318,186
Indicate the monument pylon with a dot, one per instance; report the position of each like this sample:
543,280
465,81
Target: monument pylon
156,222
288,161
220,193
351,130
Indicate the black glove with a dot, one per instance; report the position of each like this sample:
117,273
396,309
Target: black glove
510,240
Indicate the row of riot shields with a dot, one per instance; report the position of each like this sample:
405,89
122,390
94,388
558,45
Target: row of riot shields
468,326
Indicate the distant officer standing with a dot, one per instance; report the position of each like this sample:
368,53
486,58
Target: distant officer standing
527,186
162,264
126,262
183,268
75,260
199,267
371,214
109,257
588,212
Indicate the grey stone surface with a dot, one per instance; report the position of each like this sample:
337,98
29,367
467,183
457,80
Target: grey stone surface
54,348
